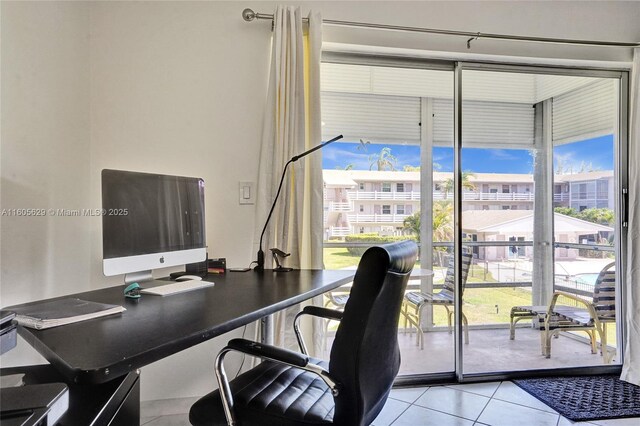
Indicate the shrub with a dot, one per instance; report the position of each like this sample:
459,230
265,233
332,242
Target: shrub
373,239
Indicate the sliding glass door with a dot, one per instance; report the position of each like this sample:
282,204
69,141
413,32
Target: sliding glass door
507,177
539,214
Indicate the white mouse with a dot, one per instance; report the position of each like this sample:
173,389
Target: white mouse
188,278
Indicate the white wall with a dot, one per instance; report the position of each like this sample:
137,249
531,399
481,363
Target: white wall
179,88
45,153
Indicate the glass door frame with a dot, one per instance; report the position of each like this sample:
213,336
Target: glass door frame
621,213
620,177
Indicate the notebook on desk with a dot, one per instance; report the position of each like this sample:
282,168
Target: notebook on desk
61,312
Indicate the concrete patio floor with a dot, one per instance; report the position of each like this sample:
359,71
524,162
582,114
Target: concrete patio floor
490,351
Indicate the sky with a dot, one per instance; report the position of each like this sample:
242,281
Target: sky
595,154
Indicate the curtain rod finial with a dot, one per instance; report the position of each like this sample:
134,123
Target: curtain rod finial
248,15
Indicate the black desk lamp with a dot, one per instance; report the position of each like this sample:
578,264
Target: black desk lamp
260,261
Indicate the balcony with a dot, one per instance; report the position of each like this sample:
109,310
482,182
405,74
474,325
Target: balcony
493,287
438,196
337,206
376,218
339,231
489,196
379,195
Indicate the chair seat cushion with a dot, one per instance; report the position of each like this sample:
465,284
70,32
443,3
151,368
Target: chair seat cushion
418,298
266,394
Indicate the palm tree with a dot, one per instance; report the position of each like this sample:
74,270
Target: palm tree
347,167
412,224
442,221
383,160
447,186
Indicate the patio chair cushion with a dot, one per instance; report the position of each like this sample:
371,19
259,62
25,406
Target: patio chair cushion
419,298
604,294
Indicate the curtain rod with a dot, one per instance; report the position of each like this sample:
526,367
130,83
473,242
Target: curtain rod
249,15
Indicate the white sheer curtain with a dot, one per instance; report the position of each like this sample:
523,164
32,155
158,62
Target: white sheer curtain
631,366
292,125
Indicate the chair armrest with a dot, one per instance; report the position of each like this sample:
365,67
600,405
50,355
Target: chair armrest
273,353
316,311
557,294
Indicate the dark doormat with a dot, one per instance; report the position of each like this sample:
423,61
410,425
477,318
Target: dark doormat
581,398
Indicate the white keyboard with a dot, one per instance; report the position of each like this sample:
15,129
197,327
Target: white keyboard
177,287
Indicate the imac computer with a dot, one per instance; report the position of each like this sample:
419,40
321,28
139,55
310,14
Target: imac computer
150,221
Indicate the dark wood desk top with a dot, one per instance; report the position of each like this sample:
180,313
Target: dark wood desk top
154,327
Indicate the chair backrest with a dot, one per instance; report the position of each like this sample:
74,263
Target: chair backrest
449,282
365,357
604,293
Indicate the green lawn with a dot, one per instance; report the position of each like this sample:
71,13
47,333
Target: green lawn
479,304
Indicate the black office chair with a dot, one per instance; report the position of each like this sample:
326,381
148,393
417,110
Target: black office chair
289,388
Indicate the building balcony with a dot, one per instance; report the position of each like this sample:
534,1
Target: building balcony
354,218
439,196
339,231
379,195
337,206
489,196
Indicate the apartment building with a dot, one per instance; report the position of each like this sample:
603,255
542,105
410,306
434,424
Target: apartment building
363,201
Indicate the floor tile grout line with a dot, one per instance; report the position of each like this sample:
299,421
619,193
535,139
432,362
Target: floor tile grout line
151,420
528,406
449,414
399,415
419,396
488,402
523,405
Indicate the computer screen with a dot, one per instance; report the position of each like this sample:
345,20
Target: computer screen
151,221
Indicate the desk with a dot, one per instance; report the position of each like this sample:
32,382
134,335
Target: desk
154,327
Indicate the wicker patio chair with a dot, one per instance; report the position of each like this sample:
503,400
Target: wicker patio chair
590,316
415,301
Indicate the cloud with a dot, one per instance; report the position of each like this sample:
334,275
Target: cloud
502,155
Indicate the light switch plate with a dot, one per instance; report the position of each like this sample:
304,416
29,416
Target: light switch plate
247,192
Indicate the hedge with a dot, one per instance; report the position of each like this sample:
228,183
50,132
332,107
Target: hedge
373,239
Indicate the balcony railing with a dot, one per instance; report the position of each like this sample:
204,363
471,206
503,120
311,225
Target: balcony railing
380,195
336,206
415,196
488,196
339,231
376,218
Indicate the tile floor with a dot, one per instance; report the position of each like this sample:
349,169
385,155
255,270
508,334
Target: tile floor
494,403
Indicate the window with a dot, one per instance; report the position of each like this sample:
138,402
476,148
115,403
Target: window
386,187
505,189
505,207
399,187
514,207
602,188
361,208
400,209
485,207
493,191
386,209
361,186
